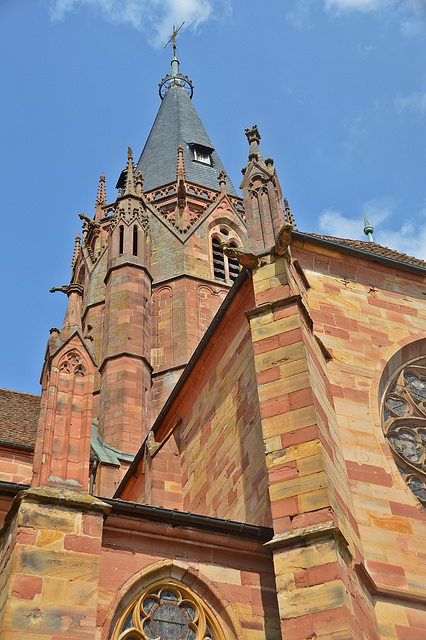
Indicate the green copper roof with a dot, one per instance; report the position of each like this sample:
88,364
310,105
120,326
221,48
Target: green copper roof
177,123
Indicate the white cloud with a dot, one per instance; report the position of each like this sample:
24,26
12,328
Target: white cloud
413,102
155,17
378,209
299,15
358,5
410,238
407,236
334,223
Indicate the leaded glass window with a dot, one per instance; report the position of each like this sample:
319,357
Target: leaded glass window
404,423
168,612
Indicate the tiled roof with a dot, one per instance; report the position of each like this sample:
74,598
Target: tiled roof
19,414
372,247
178,123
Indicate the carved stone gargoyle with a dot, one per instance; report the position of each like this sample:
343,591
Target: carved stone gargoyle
245,257
283,240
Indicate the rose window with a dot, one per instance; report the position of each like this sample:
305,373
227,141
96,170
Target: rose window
170,612
404,421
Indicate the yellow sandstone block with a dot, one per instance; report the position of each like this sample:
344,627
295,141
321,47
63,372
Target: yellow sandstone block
53,590
293,368
284,386
305,557
291,421
311,464
221,574
301,602
52,539
269,270
314,500
281,456
391,613
273,444
81,594
40,518
275,328
48,562
298,486
262,318
281,356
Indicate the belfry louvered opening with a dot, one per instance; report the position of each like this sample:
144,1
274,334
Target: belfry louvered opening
218,260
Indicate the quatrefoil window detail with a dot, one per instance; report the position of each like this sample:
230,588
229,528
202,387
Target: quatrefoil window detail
169,612
404,424
71,363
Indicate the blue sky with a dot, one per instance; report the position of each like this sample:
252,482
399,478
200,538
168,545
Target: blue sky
336,87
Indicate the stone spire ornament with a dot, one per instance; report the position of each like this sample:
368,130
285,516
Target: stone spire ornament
129,188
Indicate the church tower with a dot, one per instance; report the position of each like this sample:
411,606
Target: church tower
150,273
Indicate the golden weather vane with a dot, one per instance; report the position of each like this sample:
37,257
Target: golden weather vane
172,39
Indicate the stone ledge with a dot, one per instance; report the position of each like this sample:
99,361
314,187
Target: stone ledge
76,500
393,593
309,535
281,302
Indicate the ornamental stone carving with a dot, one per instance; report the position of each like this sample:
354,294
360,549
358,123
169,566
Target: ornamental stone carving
167,612
404,424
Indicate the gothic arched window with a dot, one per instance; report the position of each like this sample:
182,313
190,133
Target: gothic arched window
233,264
224,268
218,260
404,424
167,612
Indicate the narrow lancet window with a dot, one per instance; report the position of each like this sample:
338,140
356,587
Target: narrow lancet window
121,246
218,260
233,265
135,240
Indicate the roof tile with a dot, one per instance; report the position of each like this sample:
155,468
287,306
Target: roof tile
19,413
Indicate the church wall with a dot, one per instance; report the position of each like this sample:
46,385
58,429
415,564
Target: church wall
234,577
363,314
166,248
16,466
223,463
222,459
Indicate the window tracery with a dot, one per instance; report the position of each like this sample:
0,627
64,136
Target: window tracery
72,363
166,612
224,268
404,424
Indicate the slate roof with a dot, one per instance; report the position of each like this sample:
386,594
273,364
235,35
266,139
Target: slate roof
372,247
177,122
19,414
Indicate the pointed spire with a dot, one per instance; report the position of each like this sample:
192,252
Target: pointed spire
76,250
101,199
181,189
262,197
139,183
288,215
253,137
130,178
222,181
180,171
368,229
72,318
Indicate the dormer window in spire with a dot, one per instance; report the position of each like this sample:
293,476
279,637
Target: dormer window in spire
201,153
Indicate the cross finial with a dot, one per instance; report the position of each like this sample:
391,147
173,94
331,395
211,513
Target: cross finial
172,39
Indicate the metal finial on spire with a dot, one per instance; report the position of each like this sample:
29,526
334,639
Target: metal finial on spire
368,229
175,78
172,39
